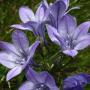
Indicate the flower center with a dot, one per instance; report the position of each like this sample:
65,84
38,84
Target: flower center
69,43
41,86
20,61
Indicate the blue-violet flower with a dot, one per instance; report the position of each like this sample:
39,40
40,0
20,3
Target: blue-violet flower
76,82
70,37
18,55
39,81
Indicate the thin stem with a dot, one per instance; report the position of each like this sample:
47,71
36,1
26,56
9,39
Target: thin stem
54,55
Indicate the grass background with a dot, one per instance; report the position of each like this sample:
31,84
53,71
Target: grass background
9,15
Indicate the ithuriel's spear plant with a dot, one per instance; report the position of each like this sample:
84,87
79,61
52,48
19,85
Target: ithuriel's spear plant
54,20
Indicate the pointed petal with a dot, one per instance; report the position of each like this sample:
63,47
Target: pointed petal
66,2
14,72
72,53
8,47
41,31
26,14
32,48
7,59
66,26
82,44
58,10
31,52
45,3
21,26
40,13
27,86
31,75
20,40
82,29
32,25
51,31
84,37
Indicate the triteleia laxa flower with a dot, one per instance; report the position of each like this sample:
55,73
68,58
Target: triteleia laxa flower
76,82
34,22
18,55
70,37
38,81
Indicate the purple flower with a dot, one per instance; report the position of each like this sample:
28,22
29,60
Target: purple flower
18,55
66,2
76,82
34,22
41,81
58,10
70,37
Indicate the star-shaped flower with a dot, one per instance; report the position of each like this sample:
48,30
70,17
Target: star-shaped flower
70,37
18,55
34,22
38,81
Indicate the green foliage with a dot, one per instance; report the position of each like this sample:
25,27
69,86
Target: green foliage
48,57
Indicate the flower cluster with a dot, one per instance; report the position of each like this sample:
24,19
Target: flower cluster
62,29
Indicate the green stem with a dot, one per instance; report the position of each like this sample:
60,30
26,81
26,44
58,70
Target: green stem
54,56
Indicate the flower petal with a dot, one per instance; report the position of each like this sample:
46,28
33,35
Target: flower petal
66,2
66,26
21,26
82,29
26,14
82,44
27,86
84,37
41,31
14,72
7,59
20,40
40,13
31,25
51,31
31,75
51,20
31,52
8,47
58,10
32,48
70,52
45,3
